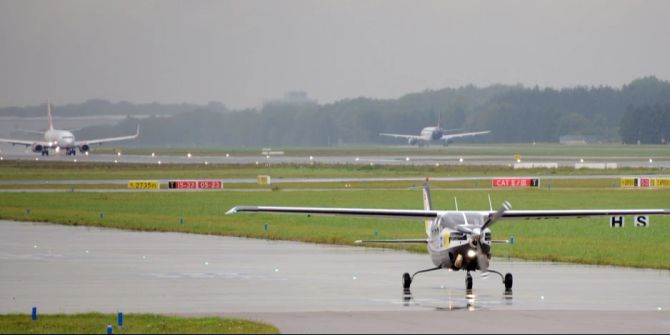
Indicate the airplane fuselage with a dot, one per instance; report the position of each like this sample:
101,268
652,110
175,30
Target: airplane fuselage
429,135
452,249
62,139
432,133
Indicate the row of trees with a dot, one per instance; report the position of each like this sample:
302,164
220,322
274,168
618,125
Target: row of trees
512,113
647,124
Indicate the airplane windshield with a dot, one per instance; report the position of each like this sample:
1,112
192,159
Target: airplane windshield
457,218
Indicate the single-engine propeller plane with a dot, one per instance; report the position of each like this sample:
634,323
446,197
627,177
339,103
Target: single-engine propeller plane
457,240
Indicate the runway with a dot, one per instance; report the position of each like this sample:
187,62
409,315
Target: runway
416,160
304,287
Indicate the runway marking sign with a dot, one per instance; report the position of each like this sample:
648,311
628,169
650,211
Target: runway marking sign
182,184
661,182
617,221
515,182
144,184
642,221
628,182
208,184
264,180
639,221
645,182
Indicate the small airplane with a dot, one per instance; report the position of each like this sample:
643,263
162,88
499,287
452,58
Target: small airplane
64,139
430,135
459,240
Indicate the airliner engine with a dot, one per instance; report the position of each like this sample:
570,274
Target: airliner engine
36,147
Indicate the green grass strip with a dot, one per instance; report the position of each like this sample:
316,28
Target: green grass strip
96,323
588,241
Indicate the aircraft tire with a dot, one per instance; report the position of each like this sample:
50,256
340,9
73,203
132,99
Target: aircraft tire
406,280
508,281
468,282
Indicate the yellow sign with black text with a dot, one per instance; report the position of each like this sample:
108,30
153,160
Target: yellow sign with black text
628,182
264,180
144,184
660,182
645,182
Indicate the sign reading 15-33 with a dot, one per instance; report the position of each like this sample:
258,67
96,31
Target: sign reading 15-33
195,184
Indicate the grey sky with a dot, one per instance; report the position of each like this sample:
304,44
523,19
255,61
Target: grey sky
241,52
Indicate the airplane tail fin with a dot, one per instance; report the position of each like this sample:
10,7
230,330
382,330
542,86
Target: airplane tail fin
427,205
51,124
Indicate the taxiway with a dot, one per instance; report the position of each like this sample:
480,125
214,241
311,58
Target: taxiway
304,287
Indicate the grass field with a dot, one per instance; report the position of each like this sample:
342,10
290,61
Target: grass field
588,241
96,323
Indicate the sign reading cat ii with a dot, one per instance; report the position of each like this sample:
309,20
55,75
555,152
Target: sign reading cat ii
515,182
144,184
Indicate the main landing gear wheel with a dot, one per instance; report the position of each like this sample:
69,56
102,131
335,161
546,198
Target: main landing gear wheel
406,280
508,281
468,281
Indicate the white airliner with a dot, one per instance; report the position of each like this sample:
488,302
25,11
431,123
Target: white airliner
433,135
64,139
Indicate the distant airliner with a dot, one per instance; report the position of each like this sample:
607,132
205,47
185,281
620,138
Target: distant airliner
64,139
433,135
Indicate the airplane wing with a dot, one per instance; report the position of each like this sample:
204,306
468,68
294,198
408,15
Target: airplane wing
577,213
452,136
401,136
38,132
20,142
403,241
364,212
111,139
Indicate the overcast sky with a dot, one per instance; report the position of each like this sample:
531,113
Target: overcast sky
242,52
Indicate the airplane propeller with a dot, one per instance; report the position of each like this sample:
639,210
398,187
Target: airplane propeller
497,215
477,235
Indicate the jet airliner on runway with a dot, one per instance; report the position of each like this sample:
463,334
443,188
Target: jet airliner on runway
64,139
430,135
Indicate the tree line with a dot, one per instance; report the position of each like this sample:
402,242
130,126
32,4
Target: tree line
513,114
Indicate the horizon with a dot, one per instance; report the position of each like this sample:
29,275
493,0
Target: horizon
319,103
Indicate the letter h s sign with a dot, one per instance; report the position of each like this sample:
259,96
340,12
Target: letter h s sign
617,221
